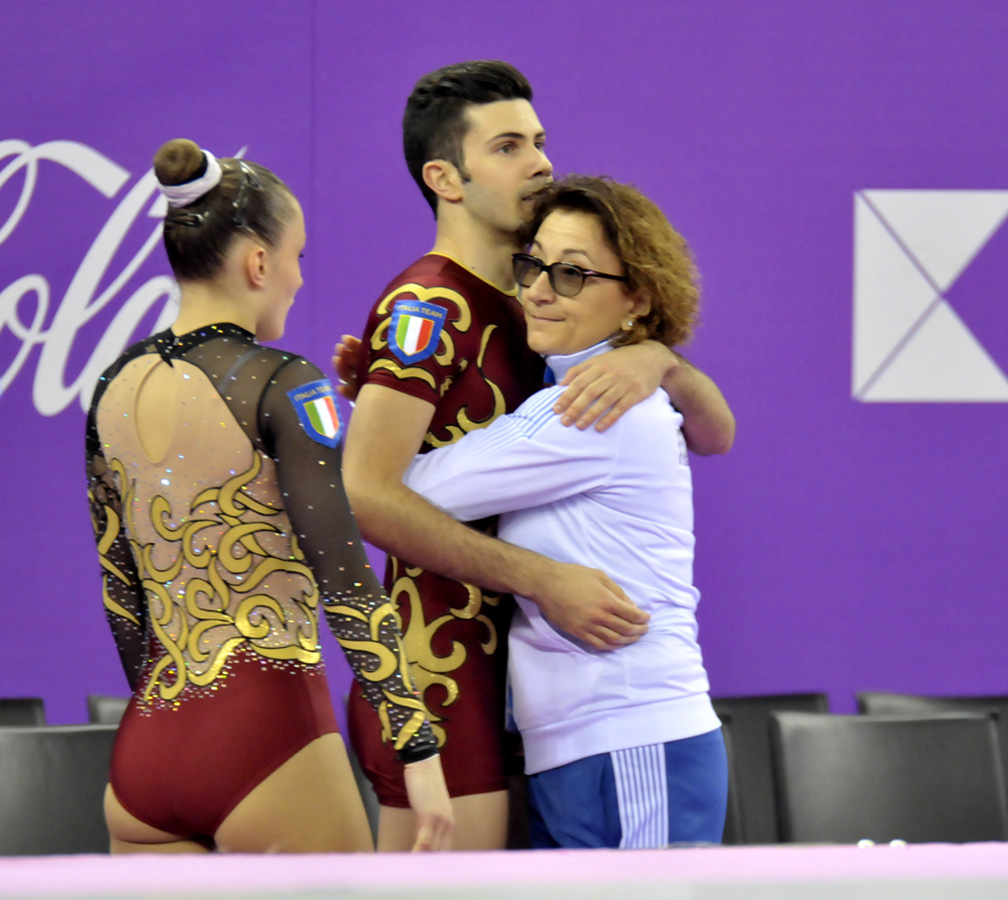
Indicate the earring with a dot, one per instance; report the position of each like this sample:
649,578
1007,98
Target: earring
628,325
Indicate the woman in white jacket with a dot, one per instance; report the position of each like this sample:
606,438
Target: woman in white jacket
622,747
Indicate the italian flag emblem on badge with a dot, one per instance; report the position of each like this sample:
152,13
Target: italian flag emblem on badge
315,404
415,330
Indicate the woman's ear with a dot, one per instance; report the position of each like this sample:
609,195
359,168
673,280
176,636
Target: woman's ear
443,178
641,304
255,266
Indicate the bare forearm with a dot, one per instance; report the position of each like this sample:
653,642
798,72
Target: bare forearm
405,525
709,425
583,602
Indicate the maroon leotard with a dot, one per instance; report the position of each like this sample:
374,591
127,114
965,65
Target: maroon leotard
221,528
477,368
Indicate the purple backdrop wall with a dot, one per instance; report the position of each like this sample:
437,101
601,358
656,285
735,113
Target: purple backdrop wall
839,172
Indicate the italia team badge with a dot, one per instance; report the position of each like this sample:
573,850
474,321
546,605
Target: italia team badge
316,408
415,330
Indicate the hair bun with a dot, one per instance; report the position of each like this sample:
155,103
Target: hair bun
179,161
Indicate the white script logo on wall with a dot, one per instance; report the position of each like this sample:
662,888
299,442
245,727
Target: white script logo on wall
910,343
104,286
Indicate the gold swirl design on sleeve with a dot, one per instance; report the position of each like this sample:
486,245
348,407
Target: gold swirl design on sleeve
446,344
412,725
429,295
107,539
105,542
113,528
117,608
387,660
392,366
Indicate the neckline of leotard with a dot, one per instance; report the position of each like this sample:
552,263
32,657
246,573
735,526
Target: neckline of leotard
171,346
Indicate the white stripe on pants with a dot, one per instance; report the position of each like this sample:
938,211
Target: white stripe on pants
642,795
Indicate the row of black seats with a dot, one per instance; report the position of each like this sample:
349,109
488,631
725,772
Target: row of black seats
52,777
103,709
907,767
912,768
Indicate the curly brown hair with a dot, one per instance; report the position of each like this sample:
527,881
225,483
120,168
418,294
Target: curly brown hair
656,258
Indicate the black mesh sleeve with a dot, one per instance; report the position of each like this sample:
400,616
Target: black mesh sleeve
359,614
122,592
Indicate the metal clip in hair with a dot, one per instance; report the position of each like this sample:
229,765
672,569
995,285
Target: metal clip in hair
239,213
189,219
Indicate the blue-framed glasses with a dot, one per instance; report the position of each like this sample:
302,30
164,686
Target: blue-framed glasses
565,278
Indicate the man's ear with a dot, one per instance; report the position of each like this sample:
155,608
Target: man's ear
443,178
255,266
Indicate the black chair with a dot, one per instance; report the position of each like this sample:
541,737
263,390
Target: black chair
879,703
733,818
883,778
751,804
22,711
52,781
518,837
106,709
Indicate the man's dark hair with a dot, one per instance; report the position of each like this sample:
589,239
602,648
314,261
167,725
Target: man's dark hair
434,123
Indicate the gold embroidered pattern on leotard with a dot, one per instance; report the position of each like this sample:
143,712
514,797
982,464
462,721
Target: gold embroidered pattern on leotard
224,573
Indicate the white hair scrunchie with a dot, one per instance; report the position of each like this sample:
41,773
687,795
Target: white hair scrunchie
184,194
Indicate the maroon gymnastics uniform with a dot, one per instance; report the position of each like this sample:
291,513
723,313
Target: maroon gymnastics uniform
442,334
223,532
